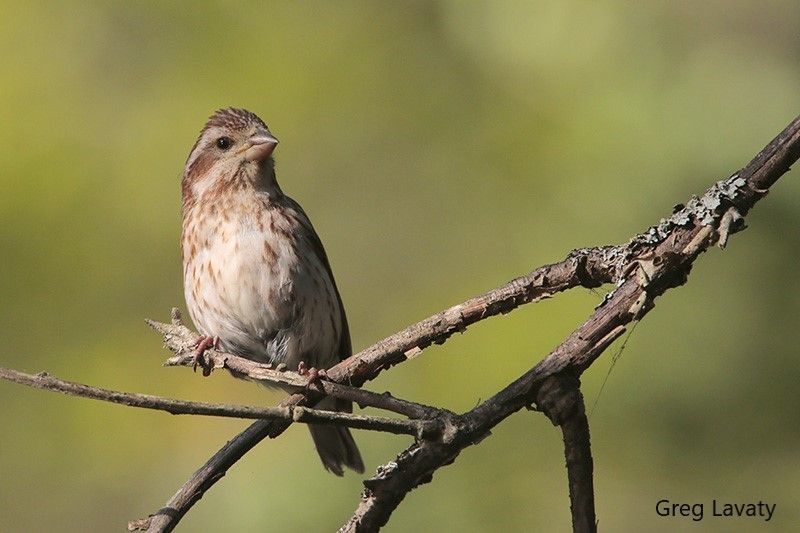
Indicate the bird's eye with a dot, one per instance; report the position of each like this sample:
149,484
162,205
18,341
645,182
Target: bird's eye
223,143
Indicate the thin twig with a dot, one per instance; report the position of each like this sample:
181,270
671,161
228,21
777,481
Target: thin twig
181,340
417,428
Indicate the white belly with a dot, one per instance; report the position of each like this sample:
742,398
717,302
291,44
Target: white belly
278,308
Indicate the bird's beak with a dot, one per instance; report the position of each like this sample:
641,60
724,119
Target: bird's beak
260,146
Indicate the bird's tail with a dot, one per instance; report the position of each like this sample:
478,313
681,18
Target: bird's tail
335,444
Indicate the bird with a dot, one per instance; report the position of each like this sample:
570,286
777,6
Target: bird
257,281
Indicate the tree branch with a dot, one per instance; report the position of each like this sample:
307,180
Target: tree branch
644,268
589,267
416,428
656,260
181,340
559,397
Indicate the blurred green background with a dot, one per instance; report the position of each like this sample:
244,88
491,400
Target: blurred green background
440,149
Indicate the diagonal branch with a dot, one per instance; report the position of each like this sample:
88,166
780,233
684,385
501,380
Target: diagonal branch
662,258
589,267
643,268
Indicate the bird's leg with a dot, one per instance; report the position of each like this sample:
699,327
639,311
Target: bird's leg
203,344
314,374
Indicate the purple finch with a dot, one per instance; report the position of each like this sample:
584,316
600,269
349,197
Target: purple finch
256,277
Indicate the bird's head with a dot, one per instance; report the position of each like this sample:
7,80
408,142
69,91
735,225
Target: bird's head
234,149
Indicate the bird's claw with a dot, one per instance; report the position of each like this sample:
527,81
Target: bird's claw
203,344
314,374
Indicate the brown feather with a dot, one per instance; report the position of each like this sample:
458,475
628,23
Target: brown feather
256,274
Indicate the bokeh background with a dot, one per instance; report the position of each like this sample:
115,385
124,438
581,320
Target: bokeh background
441,149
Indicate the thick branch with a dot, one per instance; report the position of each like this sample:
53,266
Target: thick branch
644,268
589,268
656,260
560,399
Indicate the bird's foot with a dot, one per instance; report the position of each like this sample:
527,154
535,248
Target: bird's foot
314,374
199,354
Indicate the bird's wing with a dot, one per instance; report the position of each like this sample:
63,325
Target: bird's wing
345,348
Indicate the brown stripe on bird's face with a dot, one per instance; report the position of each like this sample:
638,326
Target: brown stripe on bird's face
233,150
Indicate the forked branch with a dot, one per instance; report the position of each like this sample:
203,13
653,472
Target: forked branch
655,261
642,269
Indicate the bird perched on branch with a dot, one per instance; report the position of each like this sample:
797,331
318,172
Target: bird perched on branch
257,281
